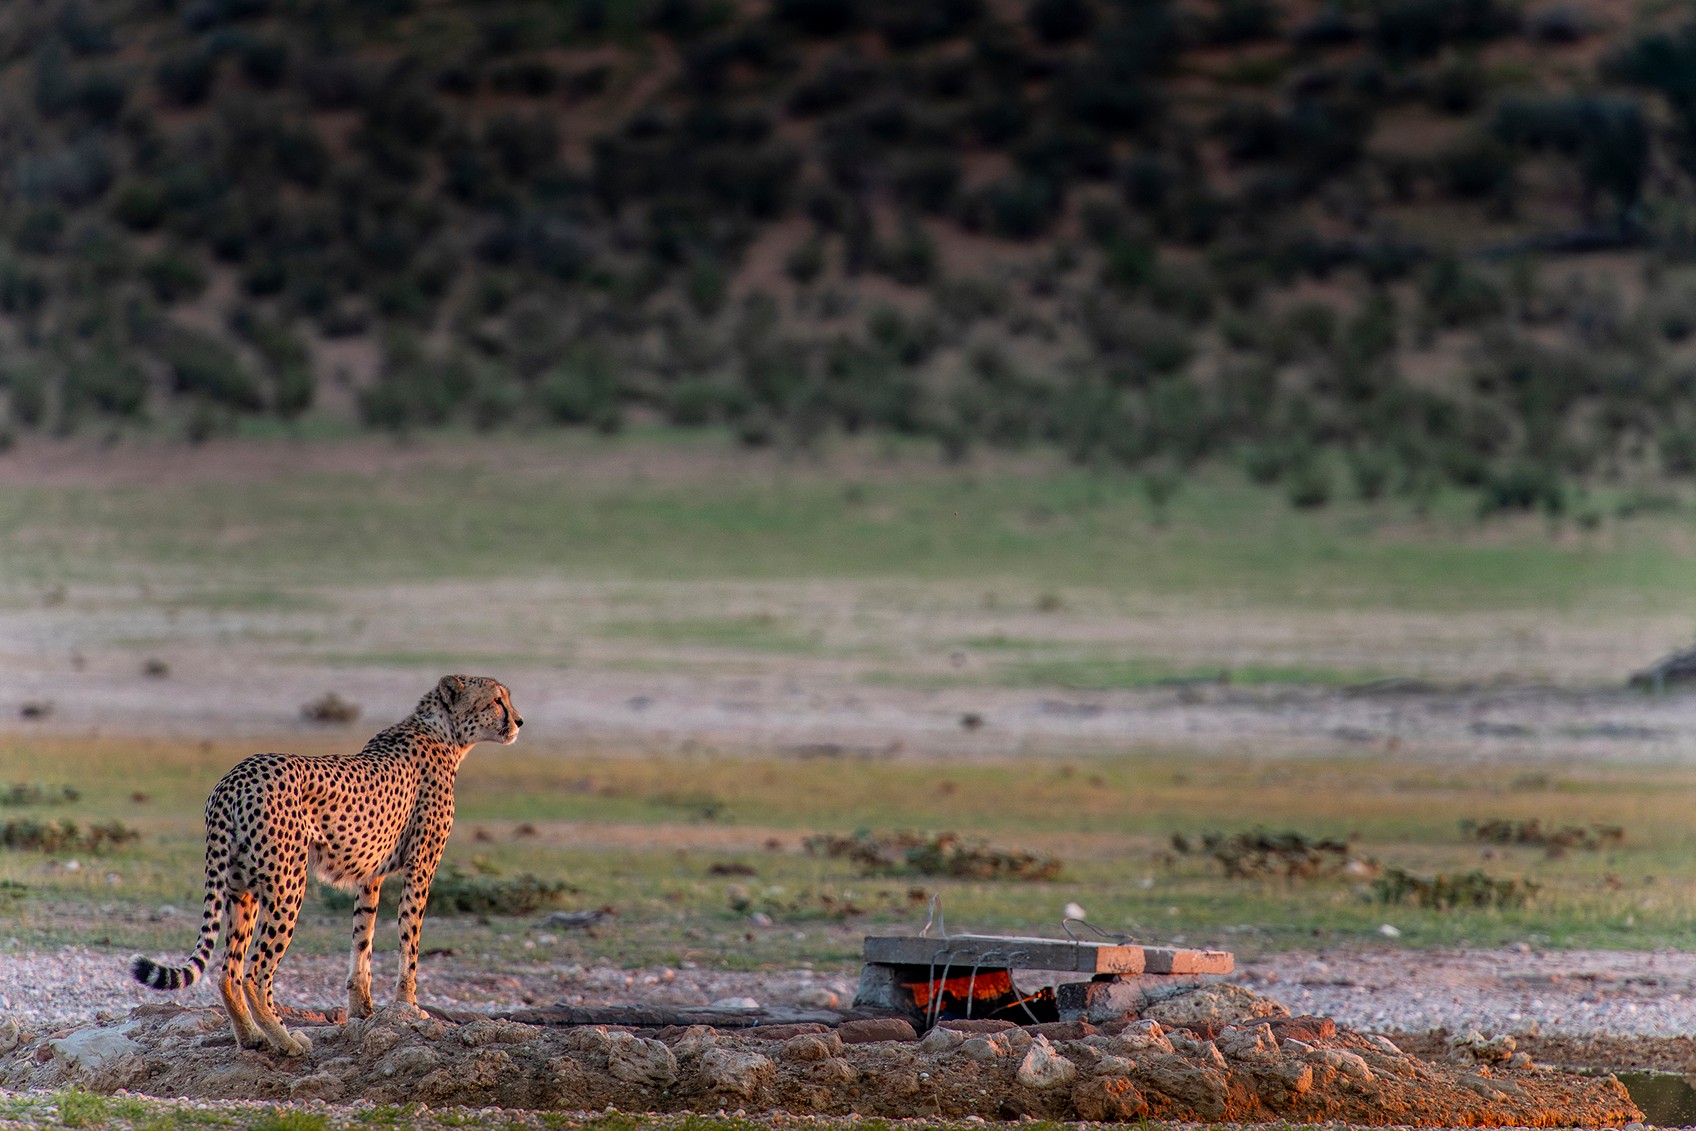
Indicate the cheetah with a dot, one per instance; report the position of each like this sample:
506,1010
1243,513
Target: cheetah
352,819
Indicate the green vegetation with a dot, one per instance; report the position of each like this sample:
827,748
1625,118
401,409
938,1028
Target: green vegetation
1340,247
1018,532
614,827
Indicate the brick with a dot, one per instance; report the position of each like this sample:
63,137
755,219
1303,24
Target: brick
977,1026
782,1032
1062,1030
876,1029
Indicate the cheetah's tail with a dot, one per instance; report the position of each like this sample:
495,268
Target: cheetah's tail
158,976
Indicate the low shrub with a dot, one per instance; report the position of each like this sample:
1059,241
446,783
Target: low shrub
579,392
456,892
109,382
943,854
66,836
1523,487
1474,889
1308,484
806,262
204,367
186,77
174,277
35,793
1534,833
1259,854
1371,470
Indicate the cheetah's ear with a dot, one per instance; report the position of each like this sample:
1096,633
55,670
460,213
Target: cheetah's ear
451,688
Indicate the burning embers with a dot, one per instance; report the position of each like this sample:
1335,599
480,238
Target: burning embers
987,994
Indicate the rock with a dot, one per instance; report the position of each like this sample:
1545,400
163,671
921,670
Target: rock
467,1082
832,1072
736,1073
876,1029
1115,1066
9,1035
1109,1099
1348,1063
819,997
639,1060
1202,1089
809,1097
595,1038
991,1047
1383,1045
1243,1042
900,1082
375,1040
1296,1077
192,1023
1045,1068
409,1061
695,1041
407,1016
1216,1005
1305,1028
318,1086
1474,1045
1281,1084
90,1050
1187,1045
496,1032
940,1040
811,1047
744,1003
1143,1036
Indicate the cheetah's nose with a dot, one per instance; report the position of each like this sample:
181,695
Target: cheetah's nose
517,720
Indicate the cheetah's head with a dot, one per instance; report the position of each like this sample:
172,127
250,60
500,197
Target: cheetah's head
479,708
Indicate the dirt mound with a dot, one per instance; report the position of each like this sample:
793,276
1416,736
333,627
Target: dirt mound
1293,1069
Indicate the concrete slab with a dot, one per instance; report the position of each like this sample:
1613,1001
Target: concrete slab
1021,953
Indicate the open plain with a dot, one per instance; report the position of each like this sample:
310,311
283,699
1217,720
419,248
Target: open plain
722,656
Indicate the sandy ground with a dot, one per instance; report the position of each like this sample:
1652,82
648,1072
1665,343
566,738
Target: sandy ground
1639,1008
215,692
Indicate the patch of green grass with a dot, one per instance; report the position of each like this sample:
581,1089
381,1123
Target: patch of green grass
386,1115
78,1108
289,1119
1227,542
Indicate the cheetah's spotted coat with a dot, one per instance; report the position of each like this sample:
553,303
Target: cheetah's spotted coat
352,819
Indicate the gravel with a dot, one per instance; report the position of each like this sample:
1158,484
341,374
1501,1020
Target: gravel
1516,990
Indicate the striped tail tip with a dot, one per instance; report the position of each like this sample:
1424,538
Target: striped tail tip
156,976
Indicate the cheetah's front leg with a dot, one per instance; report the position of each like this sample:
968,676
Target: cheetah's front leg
359,966
414,896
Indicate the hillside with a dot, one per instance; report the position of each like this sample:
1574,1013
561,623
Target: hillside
1370,247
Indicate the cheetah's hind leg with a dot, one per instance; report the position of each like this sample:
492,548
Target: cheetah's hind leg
279,907
239,914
